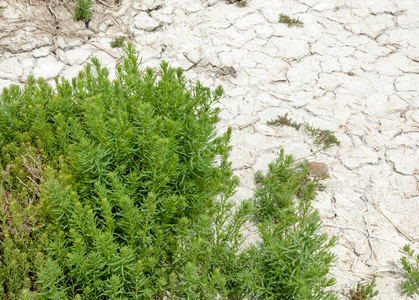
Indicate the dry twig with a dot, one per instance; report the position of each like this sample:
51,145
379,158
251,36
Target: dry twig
249,123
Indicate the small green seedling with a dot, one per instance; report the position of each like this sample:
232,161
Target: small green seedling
324,137
284,19
118,42
82,12
242,3
364,291
284,120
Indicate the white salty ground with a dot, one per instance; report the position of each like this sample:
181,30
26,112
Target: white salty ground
353,69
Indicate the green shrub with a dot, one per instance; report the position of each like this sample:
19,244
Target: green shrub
292,260
121,190
135,167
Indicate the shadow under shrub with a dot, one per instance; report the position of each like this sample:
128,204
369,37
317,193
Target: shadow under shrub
126,189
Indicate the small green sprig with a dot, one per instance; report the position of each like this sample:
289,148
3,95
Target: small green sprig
118,42
364,291
321,137
284,19
241,3
82,12
284,121
410,263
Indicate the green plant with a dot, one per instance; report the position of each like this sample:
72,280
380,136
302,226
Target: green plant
364,291
122,190
284,19
22,236
135,186
410,263
293,260
284,120
118,42
276,191
325,137
241,3
82,12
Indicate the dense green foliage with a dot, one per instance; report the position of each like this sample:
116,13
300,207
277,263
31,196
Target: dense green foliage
82,11
292,259
121,190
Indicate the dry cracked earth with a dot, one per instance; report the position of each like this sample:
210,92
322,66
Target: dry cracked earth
353,69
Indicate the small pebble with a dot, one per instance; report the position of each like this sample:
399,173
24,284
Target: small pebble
317,169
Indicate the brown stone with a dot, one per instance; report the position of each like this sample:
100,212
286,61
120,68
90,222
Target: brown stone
317,169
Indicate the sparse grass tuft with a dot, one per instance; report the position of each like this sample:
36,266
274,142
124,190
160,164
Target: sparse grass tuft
284,120
324,137
241,3
118,42
364,291
284,19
